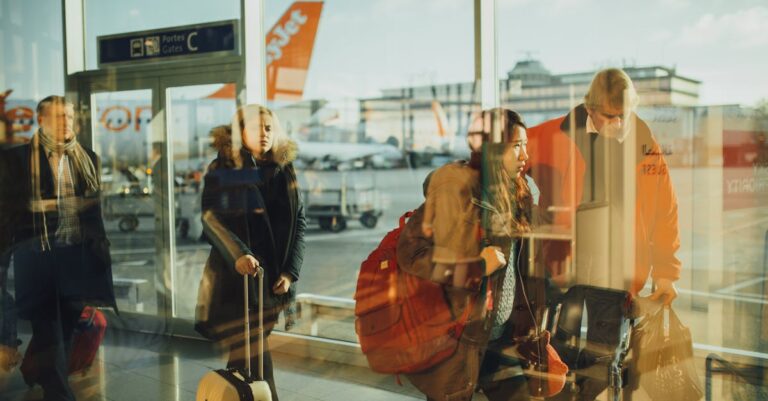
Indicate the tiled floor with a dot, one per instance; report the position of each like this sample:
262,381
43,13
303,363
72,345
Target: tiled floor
132,367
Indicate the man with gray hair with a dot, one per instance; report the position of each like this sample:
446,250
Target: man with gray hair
52,211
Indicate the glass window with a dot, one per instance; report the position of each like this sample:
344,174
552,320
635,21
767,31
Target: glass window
707,119
193,114
122,137
379,109
631,195
31,62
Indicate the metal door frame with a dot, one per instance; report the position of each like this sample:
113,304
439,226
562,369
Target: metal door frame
157,77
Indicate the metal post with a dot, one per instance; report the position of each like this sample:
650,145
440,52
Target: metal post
247,328
485,53
253,50
73,15
260,274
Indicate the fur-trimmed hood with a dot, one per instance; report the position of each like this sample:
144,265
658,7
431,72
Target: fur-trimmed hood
285,153
282,155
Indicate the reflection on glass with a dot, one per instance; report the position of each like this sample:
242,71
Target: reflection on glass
368,132
709,128
192,112
123,137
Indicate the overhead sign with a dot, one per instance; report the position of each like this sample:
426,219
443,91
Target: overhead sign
217,38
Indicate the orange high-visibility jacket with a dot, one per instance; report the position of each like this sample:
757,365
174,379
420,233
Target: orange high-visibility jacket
560,178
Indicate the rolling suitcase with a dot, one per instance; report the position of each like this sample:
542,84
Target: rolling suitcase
232,384
89,335
86,339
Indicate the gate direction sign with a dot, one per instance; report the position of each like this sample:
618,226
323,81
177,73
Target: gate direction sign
216,38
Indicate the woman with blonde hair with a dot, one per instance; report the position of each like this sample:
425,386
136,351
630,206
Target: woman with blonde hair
254,218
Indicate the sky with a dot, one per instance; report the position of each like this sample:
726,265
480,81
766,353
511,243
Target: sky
365,46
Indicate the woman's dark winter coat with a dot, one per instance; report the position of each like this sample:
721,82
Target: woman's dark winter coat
254,210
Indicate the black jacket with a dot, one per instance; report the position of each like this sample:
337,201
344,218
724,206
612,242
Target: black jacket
22,228
254,211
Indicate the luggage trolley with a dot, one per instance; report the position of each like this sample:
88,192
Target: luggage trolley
332,208
595,353
128,206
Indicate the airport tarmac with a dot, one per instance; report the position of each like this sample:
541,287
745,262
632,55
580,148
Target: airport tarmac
331,259
726,284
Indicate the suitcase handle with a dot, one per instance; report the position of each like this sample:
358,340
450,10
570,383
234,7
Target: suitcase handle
260,346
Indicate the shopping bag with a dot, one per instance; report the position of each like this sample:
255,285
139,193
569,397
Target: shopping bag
664,358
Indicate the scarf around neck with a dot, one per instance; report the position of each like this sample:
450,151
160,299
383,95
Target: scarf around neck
81,162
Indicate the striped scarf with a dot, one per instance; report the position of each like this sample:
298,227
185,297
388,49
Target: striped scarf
82,163
83,167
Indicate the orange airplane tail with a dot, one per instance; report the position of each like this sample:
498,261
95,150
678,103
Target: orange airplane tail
289,47
289,50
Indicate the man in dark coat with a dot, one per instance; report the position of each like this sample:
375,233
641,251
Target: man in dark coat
54,228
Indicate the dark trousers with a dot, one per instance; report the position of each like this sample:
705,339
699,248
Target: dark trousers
237,360
53,317
52,335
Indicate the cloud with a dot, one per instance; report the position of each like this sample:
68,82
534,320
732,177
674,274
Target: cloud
507,4
385,7
556,6
675,4
661,36
561,5
741,29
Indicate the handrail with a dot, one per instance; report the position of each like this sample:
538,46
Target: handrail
729,368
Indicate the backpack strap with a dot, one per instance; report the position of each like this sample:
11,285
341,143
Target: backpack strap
407,215
462,321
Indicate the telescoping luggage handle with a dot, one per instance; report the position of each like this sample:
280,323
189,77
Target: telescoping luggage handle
260,275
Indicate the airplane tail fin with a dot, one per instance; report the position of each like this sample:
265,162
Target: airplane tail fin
440,119
444,131
289,50
289,47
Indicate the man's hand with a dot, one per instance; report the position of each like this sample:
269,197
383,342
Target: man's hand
246,264
664,288
283,284
494,259
9,357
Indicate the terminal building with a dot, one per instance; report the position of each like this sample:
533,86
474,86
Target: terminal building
529,88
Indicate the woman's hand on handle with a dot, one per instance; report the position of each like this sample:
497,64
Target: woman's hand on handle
246,264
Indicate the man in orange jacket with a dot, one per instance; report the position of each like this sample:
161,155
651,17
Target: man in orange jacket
607,117
579,162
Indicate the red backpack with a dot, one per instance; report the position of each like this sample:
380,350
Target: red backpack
403,322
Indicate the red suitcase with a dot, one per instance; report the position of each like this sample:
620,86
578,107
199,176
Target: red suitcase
86,339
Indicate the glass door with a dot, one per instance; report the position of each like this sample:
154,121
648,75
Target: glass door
193,111
151,131
126,133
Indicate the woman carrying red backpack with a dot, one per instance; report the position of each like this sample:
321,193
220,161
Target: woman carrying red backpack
464,236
